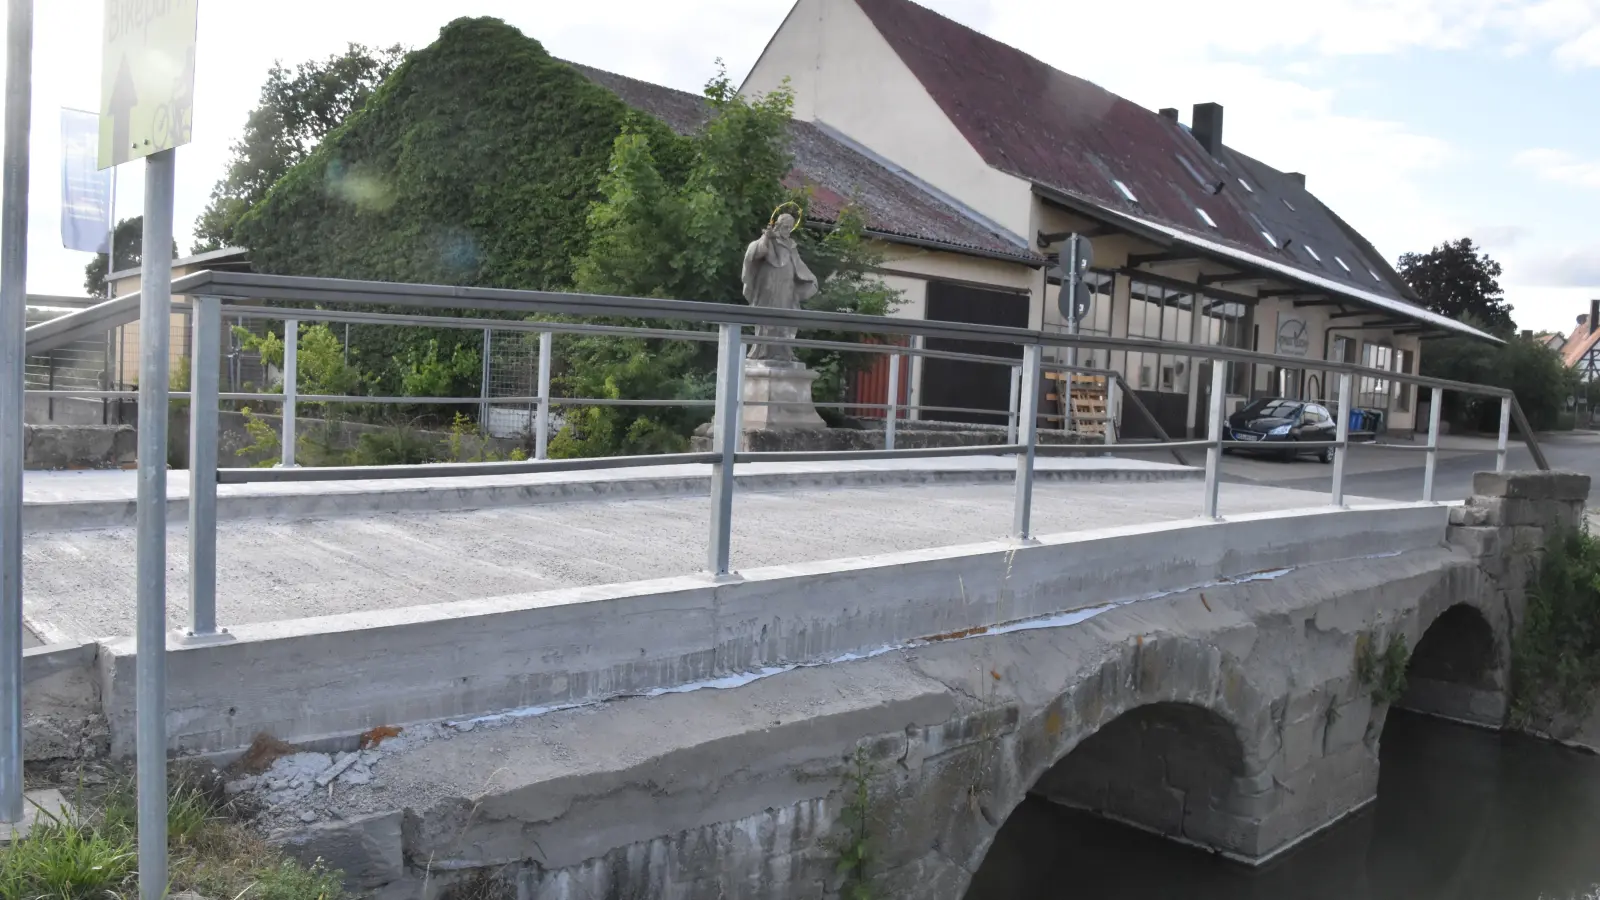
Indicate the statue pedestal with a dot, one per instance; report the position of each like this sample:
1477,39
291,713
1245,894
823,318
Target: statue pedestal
778,382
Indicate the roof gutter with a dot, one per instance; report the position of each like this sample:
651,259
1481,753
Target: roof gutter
891,237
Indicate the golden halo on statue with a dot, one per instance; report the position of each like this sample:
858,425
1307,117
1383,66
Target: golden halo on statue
799,214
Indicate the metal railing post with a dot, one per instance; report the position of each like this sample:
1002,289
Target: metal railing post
1434,408
1505,435
205,372
483,388
13,357
1016,397
1111,411
894,401
541,423
1028,436
291,347
724,443
1342,436
1214,434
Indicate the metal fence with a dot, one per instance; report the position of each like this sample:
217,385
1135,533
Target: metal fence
517,369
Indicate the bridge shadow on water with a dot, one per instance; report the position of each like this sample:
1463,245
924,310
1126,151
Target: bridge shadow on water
1461,812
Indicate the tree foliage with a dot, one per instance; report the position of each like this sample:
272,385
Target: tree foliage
1457,279
128,245
1531,370
657,235
297,109
474,163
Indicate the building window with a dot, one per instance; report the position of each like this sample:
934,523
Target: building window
1374,391
1227,324
1160,314
1406,364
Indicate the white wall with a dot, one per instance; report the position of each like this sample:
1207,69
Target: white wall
844,74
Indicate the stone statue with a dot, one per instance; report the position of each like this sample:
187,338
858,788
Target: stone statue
775,277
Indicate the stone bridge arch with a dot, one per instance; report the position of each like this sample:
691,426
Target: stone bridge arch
1107,737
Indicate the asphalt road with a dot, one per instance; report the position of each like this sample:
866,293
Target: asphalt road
1376,471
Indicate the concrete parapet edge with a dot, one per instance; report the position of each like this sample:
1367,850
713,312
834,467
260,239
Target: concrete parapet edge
334,677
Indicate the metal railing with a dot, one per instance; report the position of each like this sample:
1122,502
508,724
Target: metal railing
243,293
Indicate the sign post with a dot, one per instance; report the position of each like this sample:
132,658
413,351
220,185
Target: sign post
1077,255
146,110
13,344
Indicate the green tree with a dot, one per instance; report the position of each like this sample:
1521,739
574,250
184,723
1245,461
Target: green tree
296,110
128,244
656,235
1531,370
1457,279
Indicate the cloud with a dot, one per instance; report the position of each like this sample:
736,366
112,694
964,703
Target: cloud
1560,166
1498,237
1576,268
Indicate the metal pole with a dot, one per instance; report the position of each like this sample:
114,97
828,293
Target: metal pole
1219,377
1434,409
13,350
206,363
541,422
725,443
1342,436
1016,398
291,352
894,401
1028,436
1505,434
155,338
1111,411
483,391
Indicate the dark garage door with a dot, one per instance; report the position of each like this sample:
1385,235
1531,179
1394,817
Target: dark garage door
970,385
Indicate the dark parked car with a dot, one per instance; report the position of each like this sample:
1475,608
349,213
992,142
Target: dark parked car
1277,424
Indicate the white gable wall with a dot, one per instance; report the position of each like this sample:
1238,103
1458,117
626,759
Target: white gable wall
845,75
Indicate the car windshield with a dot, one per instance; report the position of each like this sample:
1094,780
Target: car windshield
1273,409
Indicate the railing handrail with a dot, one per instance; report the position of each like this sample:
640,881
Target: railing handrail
304,289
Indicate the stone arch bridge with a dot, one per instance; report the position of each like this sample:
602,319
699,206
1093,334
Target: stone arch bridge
1242,715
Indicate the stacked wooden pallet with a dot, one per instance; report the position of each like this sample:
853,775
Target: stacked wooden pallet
1084,402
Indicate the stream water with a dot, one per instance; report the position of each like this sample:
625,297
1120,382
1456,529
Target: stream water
1461,813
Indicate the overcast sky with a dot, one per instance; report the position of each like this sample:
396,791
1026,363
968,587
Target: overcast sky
1416,120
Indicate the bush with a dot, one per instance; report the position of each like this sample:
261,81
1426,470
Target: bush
1555,658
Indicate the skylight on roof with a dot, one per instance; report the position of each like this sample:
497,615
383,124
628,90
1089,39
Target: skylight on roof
1342,264
1206,216
1127,194
1374,276
1265,232
1313,252
1246,185
1193,172
1288,204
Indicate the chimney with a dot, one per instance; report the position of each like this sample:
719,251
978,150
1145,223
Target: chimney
1594,314
1297,177
1207,126
1169,113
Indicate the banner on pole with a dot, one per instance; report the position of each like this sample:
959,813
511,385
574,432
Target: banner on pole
85,189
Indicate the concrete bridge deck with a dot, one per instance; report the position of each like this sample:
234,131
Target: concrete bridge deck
307,560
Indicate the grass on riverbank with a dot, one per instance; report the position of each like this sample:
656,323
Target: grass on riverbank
211,852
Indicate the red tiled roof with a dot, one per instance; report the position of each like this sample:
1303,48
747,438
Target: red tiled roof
1581,341
837,175
1058,130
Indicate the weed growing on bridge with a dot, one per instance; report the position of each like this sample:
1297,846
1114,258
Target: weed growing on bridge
1555,658
1384,673
854,851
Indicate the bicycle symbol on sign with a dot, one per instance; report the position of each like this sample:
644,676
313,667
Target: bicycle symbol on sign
175,119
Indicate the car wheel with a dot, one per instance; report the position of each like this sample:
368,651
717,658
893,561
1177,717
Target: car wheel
1326,455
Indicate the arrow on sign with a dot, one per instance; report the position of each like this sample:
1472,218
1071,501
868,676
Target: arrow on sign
123,99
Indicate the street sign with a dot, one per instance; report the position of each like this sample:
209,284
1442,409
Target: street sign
1076,257
146,78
